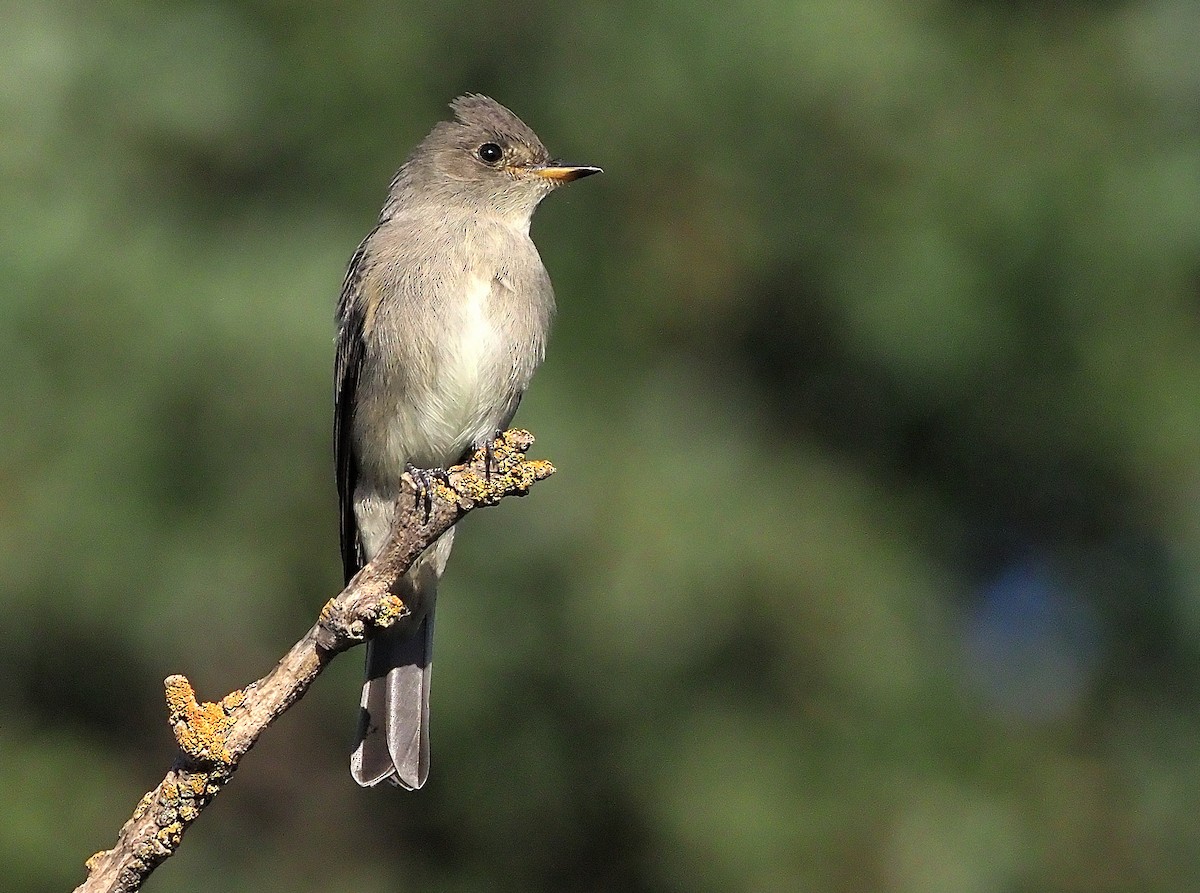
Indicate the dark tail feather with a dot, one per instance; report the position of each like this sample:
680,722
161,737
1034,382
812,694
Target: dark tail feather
393,728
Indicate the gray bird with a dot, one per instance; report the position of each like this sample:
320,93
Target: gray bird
442,320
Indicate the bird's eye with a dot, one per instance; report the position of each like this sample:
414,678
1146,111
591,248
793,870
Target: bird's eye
490,153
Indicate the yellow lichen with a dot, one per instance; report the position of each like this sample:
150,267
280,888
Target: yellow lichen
143,804
468,487
170,835
201,729
508,472
540,469
388,610
90,864
328,610
445,493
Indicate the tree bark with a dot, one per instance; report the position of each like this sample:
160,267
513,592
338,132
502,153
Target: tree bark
213,737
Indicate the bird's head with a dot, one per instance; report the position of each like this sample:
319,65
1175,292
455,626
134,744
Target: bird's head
490,159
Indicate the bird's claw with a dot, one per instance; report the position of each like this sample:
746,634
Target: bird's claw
489,453
423,483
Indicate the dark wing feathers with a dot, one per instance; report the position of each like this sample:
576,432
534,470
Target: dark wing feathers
350,320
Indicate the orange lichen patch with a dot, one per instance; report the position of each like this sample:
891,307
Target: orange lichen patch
388,610
198,786
181,797
201,729
170,835
445,493
508,472
511,474
469,489
541,468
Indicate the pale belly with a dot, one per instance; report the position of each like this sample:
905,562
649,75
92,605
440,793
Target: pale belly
470,399
458,390
470,392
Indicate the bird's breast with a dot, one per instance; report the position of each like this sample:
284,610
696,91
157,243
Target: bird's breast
471,364
457,382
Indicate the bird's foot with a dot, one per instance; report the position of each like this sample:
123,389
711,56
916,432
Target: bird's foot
424,480
488,446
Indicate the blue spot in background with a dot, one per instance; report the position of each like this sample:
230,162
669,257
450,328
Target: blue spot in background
1032,644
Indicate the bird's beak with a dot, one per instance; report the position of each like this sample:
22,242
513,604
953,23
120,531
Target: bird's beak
562,173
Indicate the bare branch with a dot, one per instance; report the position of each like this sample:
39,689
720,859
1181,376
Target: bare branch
213,737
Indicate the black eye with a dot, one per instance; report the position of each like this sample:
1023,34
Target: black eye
490,153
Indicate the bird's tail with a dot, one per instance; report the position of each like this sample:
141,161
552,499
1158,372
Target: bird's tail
392,743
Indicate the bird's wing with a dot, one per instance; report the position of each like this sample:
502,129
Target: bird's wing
351,318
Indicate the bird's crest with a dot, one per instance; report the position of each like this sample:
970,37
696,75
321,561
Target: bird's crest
483,112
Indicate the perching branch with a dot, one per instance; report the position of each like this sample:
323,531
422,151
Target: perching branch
213,737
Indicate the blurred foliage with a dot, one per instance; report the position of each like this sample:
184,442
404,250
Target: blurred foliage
874,559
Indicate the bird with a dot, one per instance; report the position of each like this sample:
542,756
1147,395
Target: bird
442,320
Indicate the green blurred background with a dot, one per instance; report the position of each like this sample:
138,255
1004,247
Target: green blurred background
873,562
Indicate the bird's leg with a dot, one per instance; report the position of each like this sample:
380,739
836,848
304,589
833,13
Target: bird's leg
423,481
489,453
